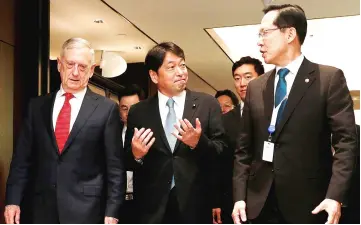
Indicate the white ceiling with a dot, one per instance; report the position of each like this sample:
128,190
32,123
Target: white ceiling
183,22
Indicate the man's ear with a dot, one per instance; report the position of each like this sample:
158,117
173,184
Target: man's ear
59,64
92,70
154,76
292,34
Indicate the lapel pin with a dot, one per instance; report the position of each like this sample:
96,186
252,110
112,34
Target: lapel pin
307,80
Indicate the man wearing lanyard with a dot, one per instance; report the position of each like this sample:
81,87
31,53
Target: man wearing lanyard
284,170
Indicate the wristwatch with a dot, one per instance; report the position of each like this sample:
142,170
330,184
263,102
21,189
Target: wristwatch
140,161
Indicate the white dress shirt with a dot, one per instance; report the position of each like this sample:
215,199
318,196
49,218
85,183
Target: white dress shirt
123,133
75,104
293,67
241,107
179,102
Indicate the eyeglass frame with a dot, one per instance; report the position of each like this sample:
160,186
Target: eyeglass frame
263,33
81,68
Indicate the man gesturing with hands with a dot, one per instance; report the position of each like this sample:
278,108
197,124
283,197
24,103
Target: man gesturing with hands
172,142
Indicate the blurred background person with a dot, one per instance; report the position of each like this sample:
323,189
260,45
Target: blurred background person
129,96
244,70
227,100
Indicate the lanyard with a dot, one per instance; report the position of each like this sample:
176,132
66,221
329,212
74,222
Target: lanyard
272,126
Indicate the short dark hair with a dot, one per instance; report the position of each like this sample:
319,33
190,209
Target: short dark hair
228,93
258,67
290,16
156,55
130,90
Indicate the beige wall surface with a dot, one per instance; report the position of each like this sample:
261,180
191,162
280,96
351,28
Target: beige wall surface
7,22
6,112
7,42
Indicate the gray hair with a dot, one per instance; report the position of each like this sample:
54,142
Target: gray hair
77,43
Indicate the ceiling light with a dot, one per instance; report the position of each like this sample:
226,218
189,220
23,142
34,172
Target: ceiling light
137,47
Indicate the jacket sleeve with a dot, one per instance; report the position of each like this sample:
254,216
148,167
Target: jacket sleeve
114,155
341,119
21,161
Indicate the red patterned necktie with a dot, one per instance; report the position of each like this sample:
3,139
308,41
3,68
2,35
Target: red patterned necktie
63,123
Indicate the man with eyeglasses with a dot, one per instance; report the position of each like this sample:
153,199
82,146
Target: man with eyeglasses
130,96
69,157
227,100
284,169
244,70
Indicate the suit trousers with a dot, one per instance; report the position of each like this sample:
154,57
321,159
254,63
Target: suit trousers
270,213
172,214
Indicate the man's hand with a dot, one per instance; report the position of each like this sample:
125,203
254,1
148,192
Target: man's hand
110,220
239,212
12,214
141,143
332,207
216,212
188,134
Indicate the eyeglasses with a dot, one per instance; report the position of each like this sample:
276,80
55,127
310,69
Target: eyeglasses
81,67
264,33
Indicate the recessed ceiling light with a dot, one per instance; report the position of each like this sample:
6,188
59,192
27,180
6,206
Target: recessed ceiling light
137,47
98,21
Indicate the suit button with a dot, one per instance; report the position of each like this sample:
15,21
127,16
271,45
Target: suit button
54,185
169,181
273,170
277,145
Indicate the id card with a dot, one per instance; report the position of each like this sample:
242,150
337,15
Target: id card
268,149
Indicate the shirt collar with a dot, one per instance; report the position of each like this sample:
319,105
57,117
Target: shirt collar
178,100
293,66
79,95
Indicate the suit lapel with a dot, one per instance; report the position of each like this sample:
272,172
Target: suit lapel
47,110
304,79
157,122
88,106
268,96
190,106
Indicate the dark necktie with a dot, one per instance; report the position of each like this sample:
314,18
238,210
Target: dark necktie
281,91
62,127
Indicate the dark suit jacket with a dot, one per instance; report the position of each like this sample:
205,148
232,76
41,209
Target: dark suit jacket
303,171
88,177
193,169
232,127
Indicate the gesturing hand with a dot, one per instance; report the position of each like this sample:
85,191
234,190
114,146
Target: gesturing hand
239,212
188,134
12,214
141,143
332,207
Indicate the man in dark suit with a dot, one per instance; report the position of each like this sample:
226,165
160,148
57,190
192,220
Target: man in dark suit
243,71
68,153
130,95
285,171
175,137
